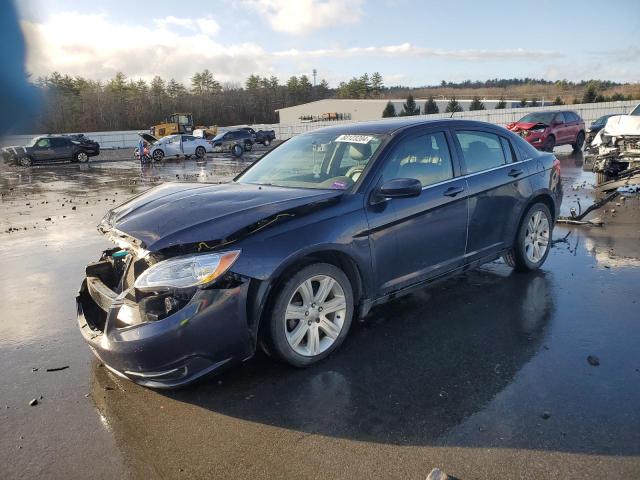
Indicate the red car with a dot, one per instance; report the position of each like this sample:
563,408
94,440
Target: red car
546,130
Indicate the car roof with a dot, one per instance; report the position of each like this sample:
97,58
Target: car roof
394,126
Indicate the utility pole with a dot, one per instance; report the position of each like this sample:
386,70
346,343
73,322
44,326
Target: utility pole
315,73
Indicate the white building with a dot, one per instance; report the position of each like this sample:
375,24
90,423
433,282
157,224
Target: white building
362,110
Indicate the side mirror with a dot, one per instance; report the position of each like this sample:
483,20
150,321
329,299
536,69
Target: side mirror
400,188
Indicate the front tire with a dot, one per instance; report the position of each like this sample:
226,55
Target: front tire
579,141
158,155
311,315
266,142
602,177
237,150
26,161
533,240
200,152
549,144
247,146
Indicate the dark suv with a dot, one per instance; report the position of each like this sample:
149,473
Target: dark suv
264,137
546,130
235,141
322,228
78,148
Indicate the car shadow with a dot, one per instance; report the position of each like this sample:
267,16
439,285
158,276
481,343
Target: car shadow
411,371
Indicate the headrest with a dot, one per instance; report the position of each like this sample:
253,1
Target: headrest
359,151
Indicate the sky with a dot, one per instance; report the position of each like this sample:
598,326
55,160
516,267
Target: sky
411,43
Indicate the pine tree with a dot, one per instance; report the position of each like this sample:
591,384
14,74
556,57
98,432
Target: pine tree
558,101
431,106
453,106
410,108
534,102
476,104
376,84
589,95
523,102
501,103
389,111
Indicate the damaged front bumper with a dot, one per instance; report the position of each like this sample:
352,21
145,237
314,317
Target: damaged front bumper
199,335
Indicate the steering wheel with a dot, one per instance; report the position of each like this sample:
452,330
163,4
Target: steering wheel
354,172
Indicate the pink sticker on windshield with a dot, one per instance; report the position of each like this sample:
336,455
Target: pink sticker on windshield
338,185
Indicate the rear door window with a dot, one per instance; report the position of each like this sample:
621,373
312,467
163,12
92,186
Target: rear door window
559,118
426,158
59,142
481,150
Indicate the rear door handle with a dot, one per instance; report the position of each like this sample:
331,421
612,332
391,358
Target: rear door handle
515,172
453,191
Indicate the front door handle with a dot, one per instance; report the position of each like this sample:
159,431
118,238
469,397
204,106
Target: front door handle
453,191
515,172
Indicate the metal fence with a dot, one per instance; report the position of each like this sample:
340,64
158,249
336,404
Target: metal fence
588,111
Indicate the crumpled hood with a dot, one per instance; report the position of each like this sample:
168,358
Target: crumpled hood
175,214
516,126
618,126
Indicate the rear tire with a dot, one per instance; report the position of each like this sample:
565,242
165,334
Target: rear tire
533,240
247,146
299,332
579,141
26,161
81,157
200,152
266,142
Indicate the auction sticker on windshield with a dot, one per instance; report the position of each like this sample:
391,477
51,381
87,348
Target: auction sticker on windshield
354,138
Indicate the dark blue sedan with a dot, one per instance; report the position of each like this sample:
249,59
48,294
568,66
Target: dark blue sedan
321,229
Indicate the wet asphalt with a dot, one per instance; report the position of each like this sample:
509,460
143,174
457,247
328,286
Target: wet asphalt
484,376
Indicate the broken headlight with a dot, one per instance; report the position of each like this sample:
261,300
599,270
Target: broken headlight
538,129
186,272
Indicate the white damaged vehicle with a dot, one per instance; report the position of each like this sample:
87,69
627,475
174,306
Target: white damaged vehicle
617,146
176,145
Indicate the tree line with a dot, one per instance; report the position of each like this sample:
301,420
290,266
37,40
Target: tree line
72,104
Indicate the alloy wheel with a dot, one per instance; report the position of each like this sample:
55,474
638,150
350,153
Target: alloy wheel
315,315
536,237
83,157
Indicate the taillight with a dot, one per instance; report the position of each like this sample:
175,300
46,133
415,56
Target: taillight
556,165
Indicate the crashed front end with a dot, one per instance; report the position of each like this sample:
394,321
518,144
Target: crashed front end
163,321
13,154
617,145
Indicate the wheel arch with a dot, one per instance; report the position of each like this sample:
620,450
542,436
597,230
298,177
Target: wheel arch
262,293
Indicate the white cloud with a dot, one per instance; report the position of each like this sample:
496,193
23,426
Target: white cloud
208,26
171,20
97,47
298,17
409,50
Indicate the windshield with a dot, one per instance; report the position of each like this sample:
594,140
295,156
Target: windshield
539,117
601,121
315,160
32,142
636,111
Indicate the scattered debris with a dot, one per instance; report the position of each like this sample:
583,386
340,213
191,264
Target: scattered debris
33,402
593,360
57,369
576,218
546,415
48,219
